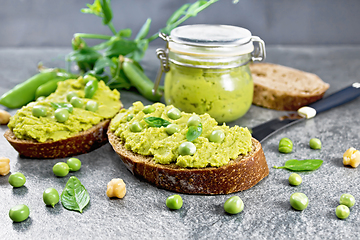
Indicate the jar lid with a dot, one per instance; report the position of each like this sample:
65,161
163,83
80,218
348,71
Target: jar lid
211,40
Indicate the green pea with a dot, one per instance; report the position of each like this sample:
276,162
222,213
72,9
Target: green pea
174,113
342,211
19,213
217,136
315,143
299,201
295,179
61,169
172,128
174,202
91,106
51,196
285,145
187,148
347,200
39,111
129,117
149,109
234,205
77,102
61,115
17,179
136,127
194,120
70,95
74,164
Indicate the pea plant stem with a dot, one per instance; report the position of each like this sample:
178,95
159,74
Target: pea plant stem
90,35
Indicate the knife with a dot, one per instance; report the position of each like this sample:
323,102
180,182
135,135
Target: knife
265,130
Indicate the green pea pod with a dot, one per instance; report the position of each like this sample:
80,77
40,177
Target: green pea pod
90,88
24,93
49,87
140,81
106,9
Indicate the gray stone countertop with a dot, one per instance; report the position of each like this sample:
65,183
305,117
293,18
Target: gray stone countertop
142,214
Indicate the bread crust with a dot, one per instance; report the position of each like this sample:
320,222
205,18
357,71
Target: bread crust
239,174
284,88
80,143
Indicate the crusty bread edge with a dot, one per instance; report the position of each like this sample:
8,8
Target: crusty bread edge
240,174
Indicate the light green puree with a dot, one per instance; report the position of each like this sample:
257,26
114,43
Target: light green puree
164,147
26,126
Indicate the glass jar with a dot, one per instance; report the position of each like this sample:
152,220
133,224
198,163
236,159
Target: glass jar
207,70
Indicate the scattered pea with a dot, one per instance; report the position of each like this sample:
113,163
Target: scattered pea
19,213
347,200
295,179
299,201
17,179
174,113
174,202
77,102
70,95
39,111
194,120
61,115
61,169
217,136
234,205
285,145
74,164
149,109
129,117
342,211
136,127
91,106
187,148
315,143
172,128
51,196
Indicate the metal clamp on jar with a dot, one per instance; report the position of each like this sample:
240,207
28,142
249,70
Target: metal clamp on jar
207,69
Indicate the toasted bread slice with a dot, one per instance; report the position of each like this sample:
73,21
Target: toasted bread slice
82,142
284,88
239,174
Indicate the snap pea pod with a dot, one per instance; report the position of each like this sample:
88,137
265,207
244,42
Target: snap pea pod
49,87
140,81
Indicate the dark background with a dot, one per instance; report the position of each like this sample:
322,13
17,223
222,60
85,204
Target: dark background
52,23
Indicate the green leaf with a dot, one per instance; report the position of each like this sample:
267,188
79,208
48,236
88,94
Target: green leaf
301,165
140,50
106,10
177,14
120,47
65,105
124,33
74,196
95,8
86,54
102,63
156,122
144,30
194,132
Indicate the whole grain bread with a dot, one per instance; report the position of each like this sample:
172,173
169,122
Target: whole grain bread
239,174
80,143
284,88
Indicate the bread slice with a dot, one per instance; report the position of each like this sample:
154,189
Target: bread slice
82,142
284,88
239,174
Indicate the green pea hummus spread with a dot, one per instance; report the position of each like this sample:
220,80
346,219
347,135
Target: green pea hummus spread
156,142
26,126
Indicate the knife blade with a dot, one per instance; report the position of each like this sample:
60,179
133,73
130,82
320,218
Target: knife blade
265,130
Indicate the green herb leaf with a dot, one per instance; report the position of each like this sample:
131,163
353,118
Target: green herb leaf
124,33
86,54
120,47
301,165
65,105
177,14
106,10
139,52
194,132
74,196
102,63
156,122
144,30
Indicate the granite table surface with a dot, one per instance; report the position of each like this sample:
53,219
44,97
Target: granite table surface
142,213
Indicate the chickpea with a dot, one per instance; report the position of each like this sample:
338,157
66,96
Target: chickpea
4,166
4,117
351,157
116,188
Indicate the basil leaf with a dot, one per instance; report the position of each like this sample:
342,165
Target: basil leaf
74,196
194,132
156,122
67,106
301,165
